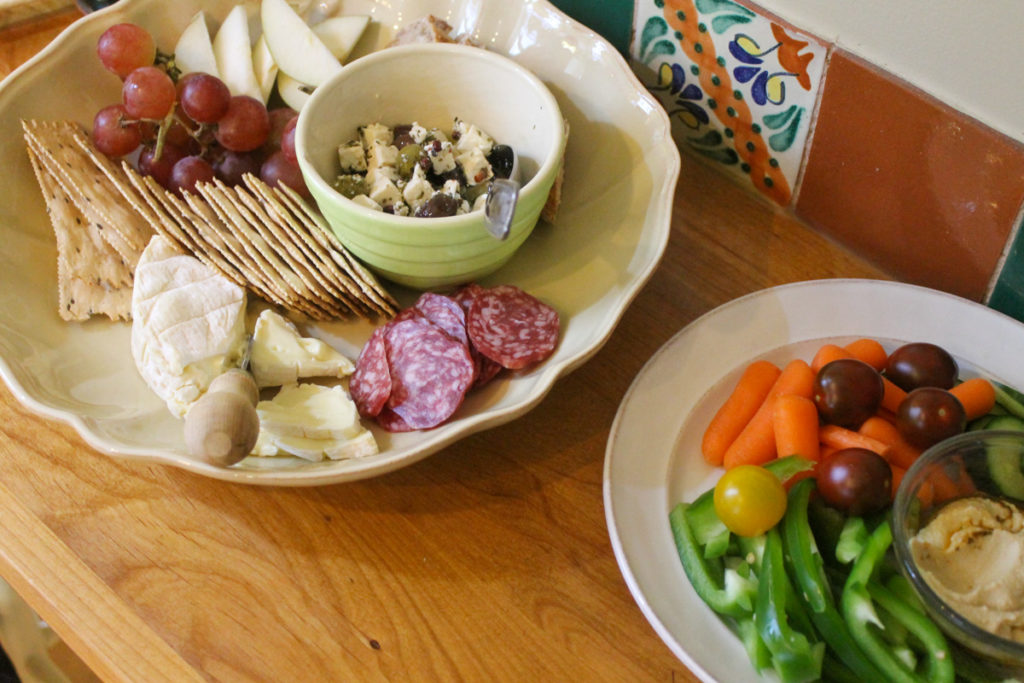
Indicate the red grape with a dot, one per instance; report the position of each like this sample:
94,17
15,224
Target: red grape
179,136
204,98
114,134
279,118
160,168
278,169
188,171
148,93
231,166
245,126
288,140
125,47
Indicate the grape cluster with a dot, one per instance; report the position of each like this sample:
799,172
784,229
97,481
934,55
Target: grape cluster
189,128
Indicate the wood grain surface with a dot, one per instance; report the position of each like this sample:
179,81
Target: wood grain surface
488,560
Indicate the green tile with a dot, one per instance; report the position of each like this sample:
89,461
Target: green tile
1008,294
612,19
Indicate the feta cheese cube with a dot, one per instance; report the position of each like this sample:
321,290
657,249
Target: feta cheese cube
363,200
469,137
385,192
376,132
475,166
451,187
352,157
418,189
442,159
418,133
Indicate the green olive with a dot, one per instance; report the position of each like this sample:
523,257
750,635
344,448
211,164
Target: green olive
473,191
350,185
408,157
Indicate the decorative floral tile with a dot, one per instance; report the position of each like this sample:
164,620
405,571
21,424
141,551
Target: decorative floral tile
739,87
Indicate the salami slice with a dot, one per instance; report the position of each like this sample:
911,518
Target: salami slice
370,384
512,327
430,372
391,421
444,312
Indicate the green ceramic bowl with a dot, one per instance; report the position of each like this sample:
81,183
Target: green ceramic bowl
431,84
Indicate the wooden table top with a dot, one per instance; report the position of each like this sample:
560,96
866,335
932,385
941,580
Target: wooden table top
490,559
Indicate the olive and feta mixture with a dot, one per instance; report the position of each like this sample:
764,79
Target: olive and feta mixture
410,170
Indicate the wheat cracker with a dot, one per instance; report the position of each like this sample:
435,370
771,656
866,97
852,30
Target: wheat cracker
57,144
92,277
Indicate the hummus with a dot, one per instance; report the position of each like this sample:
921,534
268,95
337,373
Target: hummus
972,555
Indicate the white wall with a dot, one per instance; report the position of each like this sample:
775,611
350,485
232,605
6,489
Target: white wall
967,53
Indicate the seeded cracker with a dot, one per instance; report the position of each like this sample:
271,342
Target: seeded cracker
57,145
92,278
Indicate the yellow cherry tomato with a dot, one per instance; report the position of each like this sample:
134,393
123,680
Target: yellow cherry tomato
749,500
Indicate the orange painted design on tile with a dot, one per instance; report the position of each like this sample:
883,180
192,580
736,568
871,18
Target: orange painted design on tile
790,57
750,146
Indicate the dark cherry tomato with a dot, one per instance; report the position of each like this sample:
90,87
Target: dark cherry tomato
847,392
921,364
855,481
928,415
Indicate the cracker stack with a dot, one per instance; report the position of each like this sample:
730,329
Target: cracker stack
266,239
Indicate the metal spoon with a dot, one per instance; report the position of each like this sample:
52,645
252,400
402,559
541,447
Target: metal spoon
500,205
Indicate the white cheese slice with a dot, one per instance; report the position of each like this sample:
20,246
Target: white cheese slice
313,411
188,324
315,449
280,355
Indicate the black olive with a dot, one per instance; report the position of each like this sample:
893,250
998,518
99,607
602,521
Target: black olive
441,204
501,159
403,136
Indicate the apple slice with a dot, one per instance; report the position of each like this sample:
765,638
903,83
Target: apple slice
264,66
294,46
233,49
340,34
293,92
194,51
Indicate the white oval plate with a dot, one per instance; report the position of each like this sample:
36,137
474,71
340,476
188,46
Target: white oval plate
621,170
653,460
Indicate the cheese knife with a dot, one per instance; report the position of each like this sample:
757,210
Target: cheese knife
222,427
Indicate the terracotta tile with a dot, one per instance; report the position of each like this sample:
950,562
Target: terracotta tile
927,193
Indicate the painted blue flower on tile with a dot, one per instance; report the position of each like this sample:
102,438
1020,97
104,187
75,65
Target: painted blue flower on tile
731,80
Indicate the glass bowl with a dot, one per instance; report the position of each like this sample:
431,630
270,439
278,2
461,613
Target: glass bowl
985,464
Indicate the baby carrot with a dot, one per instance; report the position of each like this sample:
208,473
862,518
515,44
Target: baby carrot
746,397
826,354
795,423
870,351
755,445
897,476
976,395
841,437
892,396
898,452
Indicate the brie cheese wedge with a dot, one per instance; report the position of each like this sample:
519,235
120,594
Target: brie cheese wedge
312,421
188,324
280,355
